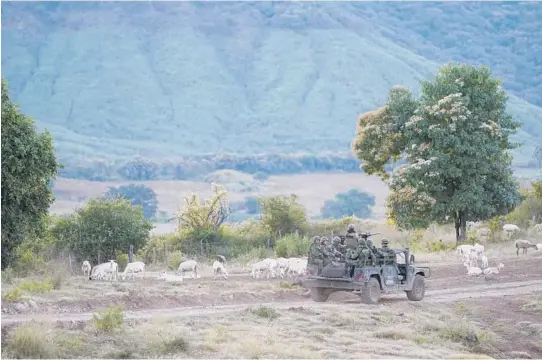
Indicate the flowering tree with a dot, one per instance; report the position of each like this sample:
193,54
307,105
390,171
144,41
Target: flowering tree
454,138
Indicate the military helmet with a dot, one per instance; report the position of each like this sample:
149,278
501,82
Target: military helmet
369,242
323,240
385,242
316,238
336,240
351,227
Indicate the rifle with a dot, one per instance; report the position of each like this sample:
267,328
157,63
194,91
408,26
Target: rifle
366,235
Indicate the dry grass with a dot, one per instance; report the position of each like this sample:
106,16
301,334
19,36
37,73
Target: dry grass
312,189
289,333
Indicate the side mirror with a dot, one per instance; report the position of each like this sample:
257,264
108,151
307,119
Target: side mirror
412,259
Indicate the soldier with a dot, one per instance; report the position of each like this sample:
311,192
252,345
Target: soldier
351,231
339,248
373,251
324,248
389,254
357,256
315,254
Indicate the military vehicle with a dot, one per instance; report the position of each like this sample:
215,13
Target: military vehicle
369,282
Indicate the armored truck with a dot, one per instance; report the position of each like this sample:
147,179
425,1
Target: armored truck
369,282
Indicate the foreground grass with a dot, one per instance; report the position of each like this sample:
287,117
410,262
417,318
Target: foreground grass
262,332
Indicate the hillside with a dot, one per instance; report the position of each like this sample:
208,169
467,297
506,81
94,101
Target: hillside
167,79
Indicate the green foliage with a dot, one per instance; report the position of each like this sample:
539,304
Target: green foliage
528,212
114,120
122,261
292,245
28,167
8,276
537,189
175,258
109,319
352,202
12,295
104,227
283,215
137,194
36,286
31,341
458,162
200,220
265,312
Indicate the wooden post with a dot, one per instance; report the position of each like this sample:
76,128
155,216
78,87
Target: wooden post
70,262
165,254
131,254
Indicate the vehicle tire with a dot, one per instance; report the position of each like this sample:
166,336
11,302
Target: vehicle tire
418,289
319,294
371,292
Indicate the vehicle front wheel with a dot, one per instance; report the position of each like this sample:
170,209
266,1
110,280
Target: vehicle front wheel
319,294
418,289
371,292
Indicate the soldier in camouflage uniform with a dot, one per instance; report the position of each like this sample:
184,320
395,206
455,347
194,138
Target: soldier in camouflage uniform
373,252
356,257
389,254
339,249
315,254
324,248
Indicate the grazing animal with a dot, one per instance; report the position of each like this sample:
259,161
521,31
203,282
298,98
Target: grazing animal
218,268
461,250
86,268
473,270
133,268
523,244
188,266
493,270
107,270
171,278
484,261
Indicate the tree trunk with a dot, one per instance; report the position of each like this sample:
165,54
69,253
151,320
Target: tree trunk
460,227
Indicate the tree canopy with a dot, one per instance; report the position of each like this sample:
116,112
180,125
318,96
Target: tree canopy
102,229
352,202
283,215
28,167
137,194
455,139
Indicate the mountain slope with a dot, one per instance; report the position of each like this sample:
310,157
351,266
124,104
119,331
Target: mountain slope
164,79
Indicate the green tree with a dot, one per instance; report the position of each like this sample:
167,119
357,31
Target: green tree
200,220
537,189
139,195
28,167
352,202
102,229
455,138
283,215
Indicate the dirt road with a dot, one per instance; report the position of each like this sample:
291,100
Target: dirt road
336,300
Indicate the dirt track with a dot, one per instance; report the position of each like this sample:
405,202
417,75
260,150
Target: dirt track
448,283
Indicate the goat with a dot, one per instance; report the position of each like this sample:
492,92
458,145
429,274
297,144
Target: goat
218,268
473,270
186,266
133,268
523,244
86,268
171,278
109,269
493,270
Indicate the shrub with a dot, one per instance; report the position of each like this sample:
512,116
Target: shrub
265,312
35,286
29,342
109,319
122,261
175,258
291,245
12,295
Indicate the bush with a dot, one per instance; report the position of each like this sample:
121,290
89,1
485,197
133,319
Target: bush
292,245
175,258
30,342
35,286
109,319
12,295
122,261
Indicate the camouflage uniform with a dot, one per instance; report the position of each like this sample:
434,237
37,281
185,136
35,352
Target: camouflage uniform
389,254
315,254
356,257
373,252
339,249
324,248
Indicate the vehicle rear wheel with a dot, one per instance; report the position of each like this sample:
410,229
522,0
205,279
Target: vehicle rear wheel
319,294
371,292
418,289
